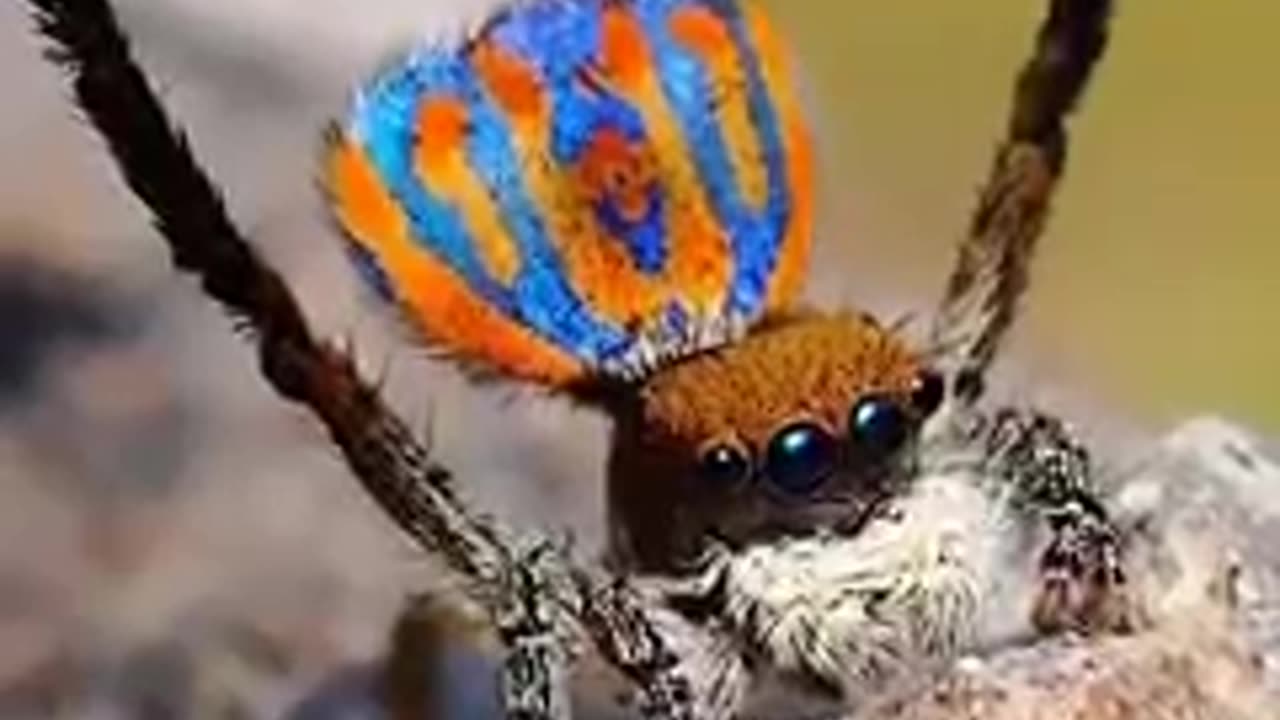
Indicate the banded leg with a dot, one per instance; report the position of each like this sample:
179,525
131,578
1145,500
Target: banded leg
1082,583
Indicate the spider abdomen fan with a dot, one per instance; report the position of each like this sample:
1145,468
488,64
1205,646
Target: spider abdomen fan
582,189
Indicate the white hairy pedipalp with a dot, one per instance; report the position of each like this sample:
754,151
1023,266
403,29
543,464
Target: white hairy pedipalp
943,571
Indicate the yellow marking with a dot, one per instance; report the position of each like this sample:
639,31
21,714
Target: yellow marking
441,302
700,255
706,35
442,166
793,255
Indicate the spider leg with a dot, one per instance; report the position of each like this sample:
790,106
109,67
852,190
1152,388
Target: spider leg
1047,473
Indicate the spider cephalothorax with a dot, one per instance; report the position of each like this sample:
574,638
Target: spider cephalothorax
805,425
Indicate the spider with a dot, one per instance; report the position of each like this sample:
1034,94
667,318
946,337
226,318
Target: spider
611,200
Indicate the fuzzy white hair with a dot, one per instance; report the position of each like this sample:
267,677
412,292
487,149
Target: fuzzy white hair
928,580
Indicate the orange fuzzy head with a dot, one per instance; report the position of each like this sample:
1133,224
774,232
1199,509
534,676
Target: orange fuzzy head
804,426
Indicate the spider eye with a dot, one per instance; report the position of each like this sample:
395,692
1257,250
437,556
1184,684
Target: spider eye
927,393
878,427
800,457
723,465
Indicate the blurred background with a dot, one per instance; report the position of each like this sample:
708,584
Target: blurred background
176,542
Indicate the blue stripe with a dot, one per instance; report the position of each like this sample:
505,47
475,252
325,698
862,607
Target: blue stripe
645,238
539,297
384,121
371,270
751,283
687,87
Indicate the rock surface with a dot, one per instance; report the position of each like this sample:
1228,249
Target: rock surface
1204,508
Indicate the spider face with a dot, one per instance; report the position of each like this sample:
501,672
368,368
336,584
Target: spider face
806,426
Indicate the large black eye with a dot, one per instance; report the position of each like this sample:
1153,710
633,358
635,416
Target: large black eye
800,457
724,465
878,427
927,392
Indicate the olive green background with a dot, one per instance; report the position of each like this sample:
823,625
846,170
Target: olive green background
1156,285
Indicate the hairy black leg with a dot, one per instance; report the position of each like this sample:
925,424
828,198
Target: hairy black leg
1048,474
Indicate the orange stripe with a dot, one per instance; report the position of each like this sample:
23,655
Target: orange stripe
703,33
441,164
793,259
698,266
598,266
439,300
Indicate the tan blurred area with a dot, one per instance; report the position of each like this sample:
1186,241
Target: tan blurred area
1159,274
174,537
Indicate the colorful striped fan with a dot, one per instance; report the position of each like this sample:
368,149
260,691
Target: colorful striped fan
583,188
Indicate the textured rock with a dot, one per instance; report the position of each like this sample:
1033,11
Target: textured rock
1204,509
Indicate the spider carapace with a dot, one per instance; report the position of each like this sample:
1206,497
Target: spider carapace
613,199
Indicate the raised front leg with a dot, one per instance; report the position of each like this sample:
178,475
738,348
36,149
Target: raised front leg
1047,471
